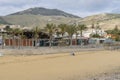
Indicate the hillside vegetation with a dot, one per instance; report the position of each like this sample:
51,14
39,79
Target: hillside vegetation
38,20
2,21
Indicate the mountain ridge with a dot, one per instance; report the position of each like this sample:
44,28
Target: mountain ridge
2,21
24,18
44,12
105,20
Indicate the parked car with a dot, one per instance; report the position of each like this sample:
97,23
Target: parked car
109,41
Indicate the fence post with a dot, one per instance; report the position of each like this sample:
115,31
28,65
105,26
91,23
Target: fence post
3,41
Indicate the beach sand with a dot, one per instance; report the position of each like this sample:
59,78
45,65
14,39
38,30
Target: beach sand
59,66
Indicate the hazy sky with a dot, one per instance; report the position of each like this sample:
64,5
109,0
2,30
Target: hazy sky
77,7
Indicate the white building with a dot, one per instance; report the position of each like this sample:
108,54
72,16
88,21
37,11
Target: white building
85,33
88,32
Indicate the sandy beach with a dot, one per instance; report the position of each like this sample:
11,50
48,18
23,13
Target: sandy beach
82,66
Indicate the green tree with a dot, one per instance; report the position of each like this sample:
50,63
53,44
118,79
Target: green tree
95,35
8,29
81,28
62,28
76,32
97,28
109,31
70,29
115,32
36,32
50,29
17,32
93,26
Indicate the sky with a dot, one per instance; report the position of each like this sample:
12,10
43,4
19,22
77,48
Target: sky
81,8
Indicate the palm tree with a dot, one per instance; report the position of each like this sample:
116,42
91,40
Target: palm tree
70,29
81,28
76,33
62,28
97,28
13,37
116,30
9,31
92,27
50,28
18,32
36,31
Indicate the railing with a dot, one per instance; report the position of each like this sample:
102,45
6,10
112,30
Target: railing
38,43
31,47
56,43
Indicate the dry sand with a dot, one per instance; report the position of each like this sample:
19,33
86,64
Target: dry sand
58,66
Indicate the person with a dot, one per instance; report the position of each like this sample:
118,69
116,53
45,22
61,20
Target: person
72,53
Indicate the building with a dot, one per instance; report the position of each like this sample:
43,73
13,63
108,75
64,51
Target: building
88,32
97,40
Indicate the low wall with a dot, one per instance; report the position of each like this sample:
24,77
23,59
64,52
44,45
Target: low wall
46,50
